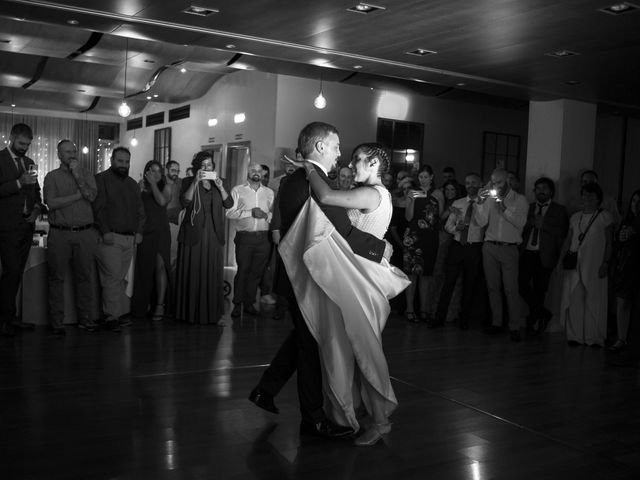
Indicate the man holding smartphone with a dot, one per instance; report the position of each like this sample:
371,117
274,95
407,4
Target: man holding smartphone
20,203
251,212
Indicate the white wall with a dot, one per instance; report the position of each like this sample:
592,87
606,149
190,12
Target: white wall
253,93
453,130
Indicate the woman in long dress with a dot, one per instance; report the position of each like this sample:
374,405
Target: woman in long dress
348,323
200,265
421,241
152,255
584,294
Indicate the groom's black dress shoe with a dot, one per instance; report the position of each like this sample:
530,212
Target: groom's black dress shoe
325,428
263,400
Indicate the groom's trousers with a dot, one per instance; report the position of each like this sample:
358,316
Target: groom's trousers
298,352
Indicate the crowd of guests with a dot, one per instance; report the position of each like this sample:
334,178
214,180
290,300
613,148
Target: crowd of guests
476,251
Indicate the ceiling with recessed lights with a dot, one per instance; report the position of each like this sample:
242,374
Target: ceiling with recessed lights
70,54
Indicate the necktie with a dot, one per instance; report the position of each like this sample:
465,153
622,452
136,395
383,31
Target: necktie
536,231
464,234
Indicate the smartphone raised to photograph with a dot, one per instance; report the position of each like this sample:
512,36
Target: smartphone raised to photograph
33,169
418,194
209,175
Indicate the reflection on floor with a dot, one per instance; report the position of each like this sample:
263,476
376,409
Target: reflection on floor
169,401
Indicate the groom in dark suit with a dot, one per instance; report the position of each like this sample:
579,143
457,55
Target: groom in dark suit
20,205
319,144
542,238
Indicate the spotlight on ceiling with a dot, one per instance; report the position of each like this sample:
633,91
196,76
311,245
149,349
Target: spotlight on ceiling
365,8
200,11
619,8
421,52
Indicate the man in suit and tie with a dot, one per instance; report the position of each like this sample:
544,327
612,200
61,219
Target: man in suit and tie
319,144
542,238
20,204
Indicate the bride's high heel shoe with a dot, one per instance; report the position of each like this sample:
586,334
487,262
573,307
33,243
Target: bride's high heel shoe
373,434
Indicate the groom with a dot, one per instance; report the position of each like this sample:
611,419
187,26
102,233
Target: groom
320,145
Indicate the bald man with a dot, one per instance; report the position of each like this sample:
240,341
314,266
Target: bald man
251,212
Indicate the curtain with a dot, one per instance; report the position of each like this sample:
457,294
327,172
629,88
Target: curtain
48,131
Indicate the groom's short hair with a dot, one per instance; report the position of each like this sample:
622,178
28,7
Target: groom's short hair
312,134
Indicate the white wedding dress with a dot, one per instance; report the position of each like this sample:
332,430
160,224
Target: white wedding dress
344,299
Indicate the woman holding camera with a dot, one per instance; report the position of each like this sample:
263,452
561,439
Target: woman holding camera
421,240
584,294
200,266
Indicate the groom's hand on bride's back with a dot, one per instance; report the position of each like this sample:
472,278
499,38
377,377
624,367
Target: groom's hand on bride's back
388,250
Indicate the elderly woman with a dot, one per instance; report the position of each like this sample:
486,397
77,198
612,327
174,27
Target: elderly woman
200,267
584,293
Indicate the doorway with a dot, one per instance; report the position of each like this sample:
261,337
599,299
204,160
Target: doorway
235,173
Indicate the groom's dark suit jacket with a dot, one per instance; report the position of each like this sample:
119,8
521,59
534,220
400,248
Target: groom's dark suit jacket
555,226
293,193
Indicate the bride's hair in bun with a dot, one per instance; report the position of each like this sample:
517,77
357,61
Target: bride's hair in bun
374,150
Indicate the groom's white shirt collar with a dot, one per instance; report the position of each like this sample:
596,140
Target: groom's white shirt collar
321,167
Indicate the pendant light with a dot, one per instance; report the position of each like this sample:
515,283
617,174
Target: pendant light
320,102
134,140
124,110
85,149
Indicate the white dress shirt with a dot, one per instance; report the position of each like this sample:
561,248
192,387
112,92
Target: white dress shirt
504,226
476,231
245,198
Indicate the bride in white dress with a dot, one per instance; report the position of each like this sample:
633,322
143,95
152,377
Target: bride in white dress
344,297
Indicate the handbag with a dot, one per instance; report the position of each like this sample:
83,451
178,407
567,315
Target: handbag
570,259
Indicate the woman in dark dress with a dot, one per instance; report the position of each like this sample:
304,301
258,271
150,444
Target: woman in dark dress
200,265
421,240
152,255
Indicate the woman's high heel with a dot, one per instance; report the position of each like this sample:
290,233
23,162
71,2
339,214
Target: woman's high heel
373,434
158,313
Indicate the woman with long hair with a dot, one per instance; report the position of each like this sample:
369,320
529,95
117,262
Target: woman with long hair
152,255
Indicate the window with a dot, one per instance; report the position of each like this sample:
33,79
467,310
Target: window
162,145
404,139
500,150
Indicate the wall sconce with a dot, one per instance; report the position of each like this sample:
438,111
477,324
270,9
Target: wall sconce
124,110
320,102
239,118
212,122
134,140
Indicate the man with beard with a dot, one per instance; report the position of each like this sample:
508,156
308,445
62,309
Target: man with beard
20,205
119,216
504,212
289,168
251,212
543,236
174,184
464,257
68,192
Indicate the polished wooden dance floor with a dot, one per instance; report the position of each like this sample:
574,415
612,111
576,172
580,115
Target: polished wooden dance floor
168,401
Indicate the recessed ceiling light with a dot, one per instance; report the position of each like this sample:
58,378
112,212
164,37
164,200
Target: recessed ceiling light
149,97
573,83
183,70
365,8
562,53
230,45
200,11
155,95
73,21
619,8
81,90
357,67
421,52
13,105
146,60
460,84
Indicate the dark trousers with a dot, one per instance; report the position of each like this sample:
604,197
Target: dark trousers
298,352
266,282
533,281
14,251
252,255
79,248
466,261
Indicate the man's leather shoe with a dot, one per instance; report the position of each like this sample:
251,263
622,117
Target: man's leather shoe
325,428
263,400
251,310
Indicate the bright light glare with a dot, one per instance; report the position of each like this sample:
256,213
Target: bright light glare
239,118
320,102
124,110
393,105
134,142
212,122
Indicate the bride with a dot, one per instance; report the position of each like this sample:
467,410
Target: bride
344,297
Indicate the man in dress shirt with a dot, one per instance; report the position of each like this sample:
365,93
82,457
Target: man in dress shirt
464,257
543,236
20,205
504,212
68,193
174,183
119,216
252,210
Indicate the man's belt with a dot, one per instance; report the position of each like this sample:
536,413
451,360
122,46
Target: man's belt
247,232
129,234
72,229
502,244
469,244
